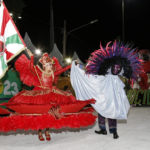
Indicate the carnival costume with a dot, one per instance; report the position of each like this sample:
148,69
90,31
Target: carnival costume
143,83
100,81
45,106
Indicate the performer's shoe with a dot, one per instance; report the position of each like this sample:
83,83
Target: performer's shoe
41,138
48,138
102,131
115,135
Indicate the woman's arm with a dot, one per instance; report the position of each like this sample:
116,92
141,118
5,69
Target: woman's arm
31,62
64,69
32,65
61,70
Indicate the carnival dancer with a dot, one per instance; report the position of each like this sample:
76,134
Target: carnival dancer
44,92
100,81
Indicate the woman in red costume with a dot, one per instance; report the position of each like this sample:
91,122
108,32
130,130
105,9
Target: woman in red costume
44,92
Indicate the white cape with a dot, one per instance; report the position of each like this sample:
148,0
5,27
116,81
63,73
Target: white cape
108,91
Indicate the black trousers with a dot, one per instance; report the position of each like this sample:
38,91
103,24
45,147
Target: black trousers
112,123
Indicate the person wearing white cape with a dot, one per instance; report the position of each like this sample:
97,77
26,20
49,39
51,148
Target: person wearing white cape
104,85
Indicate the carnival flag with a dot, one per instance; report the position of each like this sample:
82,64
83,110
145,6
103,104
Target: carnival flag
11,43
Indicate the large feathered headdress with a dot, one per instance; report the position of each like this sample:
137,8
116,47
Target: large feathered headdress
46,59
102,59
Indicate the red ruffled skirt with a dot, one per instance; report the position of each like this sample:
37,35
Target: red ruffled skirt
27,122
43,96
33,107
41,100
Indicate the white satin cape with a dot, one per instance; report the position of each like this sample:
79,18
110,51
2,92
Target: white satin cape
108,91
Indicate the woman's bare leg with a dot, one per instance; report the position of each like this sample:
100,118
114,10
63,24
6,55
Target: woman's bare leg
47,131
48,138
40,135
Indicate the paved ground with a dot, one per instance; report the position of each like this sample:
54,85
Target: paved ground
134,134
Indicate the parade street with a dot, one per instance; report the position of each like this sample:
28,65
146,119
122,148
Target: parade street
133,135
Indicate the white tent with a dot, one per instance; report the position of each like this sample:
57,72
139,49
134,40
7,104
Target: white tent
31,47
28,43
75,57
56,53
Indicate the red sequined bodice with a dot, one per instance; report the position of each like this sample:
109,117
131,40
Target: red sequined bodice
47,80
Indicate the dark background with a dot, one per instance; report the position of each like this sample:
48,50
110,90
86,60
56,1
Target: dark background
36,18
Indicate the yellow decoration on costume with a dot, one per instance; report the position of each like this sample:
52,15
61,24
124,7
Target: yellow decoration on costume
1,86
148,78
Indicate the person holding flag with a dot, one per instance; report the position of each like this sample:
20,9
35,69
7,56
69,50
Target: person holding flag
11,42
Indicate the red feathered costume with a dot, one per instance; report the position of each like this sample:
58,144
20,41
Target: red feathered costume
144,78
44,92
42,98
146,66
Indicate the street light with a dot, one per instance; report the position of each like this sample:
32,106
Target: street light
65,35
81,27
11,14
68,60
38,51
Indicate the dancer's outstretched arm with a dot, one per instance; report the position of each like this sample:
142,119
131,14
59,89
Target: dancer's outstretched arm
62,70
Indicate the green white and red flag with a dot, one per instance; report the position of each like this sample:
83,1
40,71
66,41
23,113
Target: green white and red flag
11,43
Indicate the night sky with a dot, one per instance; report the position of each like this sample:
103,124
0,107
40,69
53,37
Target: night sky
36,18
